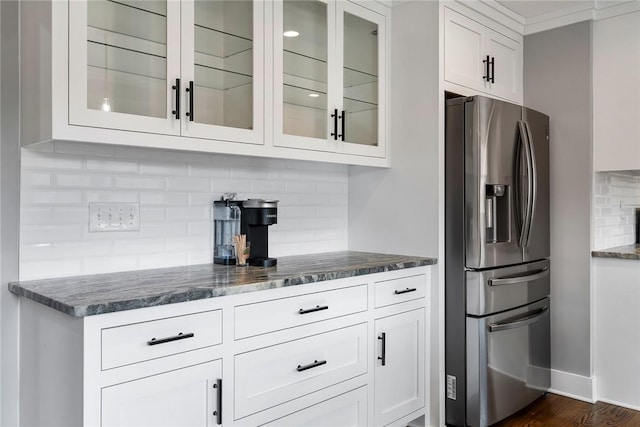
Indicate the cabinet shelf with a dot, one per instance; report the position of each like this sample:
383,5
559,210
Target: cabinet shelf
219,43
294,95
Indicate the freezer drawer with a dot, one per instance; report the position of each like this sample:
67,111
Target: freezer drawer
496,290
508,362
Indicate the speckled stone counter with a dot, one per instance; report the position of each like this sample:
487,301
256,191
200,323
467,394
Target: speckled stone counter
104,293
623,252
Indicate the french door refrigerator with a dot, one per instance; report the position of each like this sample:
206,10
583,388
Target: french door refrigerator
497,346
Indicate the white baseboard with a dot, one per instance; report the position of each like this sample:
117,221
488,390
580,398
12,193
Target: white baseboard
624,405
572,385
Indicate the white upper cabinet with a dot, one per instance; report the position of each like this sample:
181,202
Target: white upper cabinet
481,59
330,77
198,75
188,68
616,93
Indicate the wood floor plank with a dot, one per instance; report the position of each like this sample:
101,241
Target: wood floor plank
553,410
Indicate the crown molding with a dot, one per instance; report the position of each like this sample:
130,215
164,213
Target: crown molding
596,10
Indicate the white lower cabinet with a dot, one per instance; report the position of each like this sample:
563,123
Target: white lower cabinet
346,410
316,363
399,365
186,397
276,374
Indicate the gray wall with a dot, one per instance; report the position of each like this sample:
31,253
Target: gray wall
9,209
557,81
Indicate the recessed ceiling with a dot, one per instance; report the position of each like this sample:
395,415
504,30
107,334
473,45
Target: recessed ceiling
533,8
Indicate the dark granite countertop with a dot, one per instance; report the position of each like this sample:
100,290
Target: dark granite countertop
81,296
623,252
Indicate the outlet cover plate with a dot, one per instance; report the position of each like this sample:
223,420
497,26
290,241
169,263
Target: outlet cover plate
114,217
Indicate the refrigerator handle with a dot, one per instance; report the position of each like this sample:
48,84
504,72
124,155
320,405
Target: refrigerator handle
533,275
533,181
530,318
526,224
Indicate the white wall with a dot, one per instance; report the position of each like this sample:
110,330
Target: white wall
397,210
616,196
175,192
557,81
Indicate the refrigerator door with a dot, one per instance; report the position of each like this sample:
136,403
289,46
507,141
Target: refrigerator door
508,362
493,291
491,137
537,245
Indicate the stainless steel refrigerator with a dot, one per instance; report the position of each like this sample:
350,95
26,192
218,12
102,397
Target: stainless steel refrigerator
497,346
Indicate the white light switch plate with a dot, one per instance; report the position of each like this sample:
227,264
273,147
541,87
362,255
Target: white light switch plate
114,216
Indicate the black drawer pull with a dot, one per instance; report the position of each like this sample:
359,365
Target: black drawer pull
315,363
180,336
383,356
314,309
218,412
405,291
176,87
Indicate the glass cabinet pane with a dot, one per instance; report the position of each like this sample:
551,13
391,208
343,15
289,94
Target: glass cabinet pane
360,78
305,72
127,57
223,56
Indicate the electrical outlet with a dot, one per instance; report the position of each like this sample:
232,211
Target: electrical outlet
114,216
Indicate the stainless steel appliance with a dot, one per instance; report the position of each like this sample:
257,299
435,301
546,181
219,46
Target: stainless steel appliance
497,346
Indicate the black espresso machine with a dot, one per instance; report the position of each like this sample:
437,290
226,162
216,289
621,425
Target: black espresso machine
250,217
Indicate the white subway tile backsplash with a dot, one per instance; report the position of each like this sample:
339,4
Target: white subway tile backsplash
51,197
48,161
615,198
165,199
164,169
32,179
188,184
175,192
140,183
88,181
113,166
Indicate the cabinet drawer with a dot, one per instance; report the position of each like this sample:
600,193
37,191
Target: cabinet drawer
393,291
346,410
283,372
269,316
138,342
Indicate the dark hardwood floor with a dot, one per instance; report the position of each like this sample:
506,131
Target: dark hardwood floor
557,411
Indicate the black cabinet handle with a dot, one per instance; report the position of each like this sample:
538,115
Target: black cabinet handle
405,291
487,75
314,309
178,337
218,411
176,88
343,118
334,134
383,357
493,70
315,363
189,90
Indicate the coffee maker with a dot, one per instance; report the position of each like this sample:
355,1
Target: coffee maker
257,216
251,217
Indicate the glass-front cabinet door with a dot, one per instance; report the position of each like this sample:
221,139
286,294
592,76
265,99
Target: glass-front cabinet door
222,68
304,74
362,63
192,67
329,77
124,63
